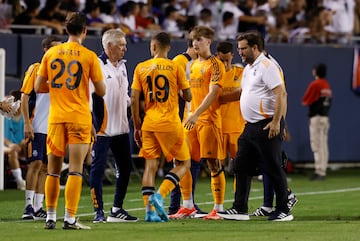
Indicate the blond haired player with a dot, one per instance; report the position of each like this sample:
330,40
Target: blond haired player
159,80
176,211
69,67
204,122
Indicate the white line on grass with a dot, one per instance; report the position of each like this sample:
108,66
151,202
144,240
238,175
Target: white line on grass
227,201
257,197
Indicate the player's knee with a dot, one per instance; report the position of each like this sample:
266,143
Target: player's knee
214,165
186,164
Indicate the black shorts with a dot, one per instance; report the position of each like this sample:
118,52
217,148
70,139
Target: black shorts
36,149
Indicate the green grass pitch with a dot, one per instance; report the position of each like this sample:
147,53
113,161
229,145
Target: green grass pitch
327,210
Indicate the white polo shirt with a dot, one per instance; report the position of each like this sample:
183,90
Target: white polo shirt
116,98
257,100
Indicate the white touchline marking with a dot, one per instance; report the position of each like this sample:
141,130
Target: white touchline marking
226,201
250,198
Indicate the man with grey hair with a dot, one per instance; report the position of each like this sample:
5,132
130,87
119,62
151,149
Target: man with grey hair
111,123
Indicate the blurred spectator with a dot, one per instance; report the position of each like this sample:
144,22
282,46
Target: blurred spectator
144,21
9,9
30,17
270,9
5,14
294,15
357,18
317,28
276,27
206,18
320,22
128,11
183,8
93,17
18,6
215,6
313,4
243,20
155,8
170,23
71,5
110,15
225,31
187,15
230,6
108,12
250,21
343,19
52,12
195,8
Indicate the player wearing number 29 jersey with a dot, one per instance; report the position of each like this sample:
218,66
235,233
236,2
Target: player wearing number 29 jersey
68,68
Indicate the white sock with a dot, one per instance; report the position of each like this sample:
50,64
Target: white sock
17,174
267,209
68,218
189,204
148,207
115,209
38,201
29,197
51,214
219,207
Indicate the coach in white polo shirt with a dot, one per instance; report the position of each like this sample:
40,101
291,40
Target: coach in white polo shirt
112,126
263,106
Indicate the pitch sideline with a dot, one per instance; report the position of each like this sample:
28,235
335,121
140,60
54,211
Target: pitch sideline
251,198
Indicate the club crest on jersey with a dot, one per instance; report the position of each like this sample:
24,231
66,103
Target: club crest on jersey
124,74
254,73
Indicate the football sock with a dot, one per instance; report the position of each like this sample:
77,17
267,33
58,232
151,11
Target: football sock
51,214
267,209
146,192
17,174
115,209
38,201
219,207
186,190
29,197
218,183
52,191
168,184
189,204
72,195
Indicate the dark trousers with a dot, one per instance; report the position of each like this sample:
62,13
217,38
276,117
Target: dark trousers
120,147
268,191
257,151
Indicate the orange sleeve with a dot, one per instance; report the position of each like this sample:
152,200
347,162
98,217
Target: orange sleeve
29,79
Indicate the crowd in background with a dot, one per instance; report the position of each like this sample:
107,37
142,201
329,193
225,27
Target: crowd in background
300,21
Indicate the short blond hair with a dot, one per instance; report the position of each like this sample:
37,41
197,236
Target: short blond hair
202,31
